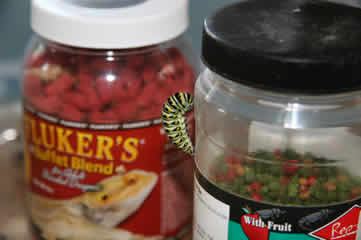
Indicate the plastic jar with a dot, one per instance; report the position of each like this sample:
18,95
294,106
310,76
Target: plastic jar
98,164
278,114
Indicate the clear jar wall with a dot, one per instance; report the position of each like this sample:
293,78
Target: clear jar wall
284,149
106,86
105,99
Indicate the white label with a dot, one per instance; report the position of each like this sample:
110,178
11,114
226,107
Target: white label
210,216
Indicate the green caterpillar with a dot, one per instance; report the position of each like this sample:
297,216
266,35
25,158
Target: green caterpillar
174,122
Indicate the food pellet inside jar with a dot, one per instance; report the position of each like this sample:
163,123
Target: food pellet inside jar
103,89
285,177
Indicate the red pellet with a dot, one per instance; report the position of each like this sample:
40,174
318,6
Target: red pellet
177,58
157,108
256,186
166,82
149,74
126,111
290,169
277,152
85,80
64,82
78,100
189,78
35,101
105,87
179,84
256,197
231,159
147,114
147,96
135,61
127,87
143,102
311,180
92,97
231,174
32,85
162,96
49,105
72,114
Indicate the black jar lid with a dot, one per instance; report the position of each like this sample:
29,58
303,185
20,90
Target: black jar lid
292,46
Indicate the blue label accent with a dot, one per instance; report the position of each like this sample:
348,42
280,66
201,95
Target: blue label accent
235,232
289,236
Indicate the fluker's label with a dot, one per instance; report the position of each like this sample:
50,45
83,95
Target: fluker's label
104,181
224,216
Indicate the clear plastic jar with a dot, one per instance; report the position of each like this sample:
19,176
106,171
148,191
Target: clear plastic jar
98,164
278,114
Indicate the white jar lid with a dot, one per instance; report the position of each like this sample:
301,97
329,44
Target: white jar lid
109,24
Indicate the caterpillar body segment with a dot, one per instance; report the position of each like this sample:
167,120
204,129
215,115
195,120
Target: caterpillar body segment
174,122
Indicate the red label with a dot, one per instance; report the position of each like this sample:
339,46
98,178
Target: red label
114,183
344,227
254,227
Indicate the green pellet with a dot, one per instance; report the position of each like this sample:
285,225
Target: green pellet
283,181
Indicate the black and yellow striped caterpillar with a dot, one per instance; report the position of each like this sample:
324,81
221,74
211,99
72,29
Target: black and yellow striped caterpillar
174,122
